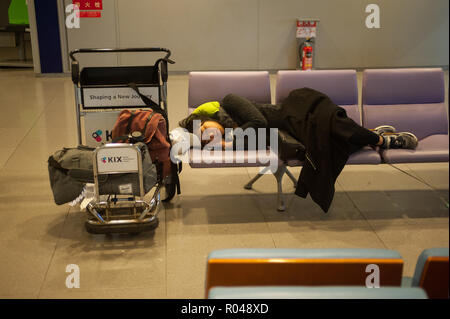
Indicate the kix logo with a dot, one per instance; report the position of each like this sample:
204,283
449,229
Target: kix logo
112,159
97,135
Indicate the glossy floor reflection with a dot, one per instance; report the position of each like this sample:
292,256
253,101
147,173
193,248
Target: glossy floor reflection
403,208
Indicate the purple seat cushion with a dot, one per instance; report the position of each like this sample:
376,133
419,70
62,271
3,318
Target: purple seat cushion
339,85
421,119
403,86
366,155
214,86
433,148
232,159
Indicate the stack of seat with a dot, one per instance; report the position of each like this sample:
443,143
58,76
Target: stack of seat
324,273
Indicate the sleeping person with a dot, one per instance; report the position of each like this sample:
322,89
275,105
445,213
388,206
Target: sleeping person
238,112
327,134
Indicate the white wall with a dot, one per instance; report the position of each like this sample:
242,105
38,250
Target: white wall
95,33
260,34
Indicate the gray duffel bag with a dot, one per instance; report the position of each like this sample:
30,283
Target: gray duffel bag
71,168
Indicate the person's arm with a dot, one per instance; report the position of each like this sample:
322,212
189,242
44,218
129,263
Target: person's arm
243,112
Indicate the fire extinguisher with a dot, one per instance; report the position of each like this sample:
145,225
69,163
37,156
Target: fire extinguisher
306,55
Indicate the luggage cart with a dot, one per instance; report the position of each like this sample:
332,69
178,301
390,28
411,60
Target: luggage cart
116,213
100,94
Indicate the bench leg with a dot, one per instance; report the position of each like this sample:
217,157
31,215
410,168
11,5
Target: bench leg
293,179
281,207
254,179
279,177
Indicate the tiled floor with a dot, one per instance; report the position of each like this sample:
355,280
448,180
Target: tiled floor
374,207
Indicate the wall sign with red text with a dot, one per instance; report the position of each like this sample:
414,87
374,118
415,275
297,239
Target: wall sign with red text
307,28
89,8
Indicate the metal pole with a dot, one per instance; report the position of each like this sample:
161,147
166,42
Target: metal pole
77,109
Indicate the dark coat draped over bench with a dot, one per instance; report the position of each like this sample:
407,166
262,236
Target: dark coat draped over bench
324,128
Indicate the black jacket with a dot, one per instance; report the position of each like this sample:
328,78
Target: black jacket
324,128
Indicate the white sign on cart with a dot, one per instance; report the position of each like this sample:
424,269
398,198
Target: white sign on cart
117,159
98,97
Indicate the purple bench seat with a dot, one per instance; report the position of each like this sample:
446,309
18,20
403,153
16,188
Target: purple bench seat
433,148
411,100
342,88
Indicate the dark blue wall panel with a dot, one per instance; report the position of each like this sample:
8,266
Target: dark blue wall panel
48,36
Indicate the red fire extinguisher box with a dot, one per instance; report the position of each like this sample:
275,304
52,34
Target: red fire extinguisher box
306,35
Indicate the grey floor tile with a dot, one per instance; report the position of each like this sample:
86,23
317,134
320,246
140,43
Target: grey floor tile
211,211
187,253
210,181
5,154
186,271
29,226
95,274
186,292
409,204
23,267
12,137
108,261
317,235
433,174
376,178
150,292
301,209
16,296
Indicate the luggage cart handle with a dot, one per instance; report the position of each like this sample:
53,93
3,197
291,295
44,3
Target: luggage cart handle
76,67
111,50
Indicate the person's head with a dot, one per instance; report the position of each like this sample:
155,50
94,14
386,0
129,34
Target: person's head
211,129
212,125
209,124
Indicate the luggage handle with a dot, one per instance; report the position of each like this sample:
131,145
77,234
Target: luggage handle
76,67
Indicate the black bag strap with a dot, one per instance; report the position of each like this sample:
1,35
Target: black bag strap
148,101
176,169
53,163
130,120
149,118
155,107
